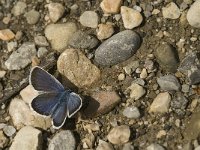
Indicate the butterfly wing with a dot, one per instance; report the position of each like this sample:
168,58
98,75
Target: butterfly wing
43,81
74,103
59,116
45,103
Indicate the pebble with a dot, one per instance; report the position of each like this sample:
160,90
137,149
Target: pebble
88,141
2,73
131,112
81,40
27,138
32,17
56,11
28,93
104,146
101,102
167,57
130,17
179,103
20,58
131,67
185,88
105,31
21,115
111,6
60,34
76,67
92,127
19,8
9,130
118,48
89,19
160,134
42,51
171,11
195,77
6,35
41,41
63,140
11,46
128,146
169,83
197,148
155,146
193,14
143,74
161,103
3,140
121,76
137,91
139,81
119,135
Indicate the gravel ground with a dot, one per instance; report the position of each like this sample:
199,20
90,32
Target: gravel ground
134,63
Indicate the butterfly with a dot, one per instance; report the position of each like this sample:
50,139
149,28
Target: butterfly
53,100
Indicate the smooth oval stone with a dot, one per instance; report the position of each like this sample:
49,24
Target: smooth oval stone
118,48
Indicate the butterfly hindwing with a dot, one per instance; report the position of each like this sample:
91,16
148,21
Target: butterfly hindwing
74,103
45,103
43,81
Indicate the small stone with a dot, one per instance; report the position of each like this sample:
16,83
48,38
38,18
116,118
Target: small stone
171,11
104,146
27,138
111,6
56,11
139,81
161,103
193,14
35,61
104,31
11,46
169,83
131,18
143,73
89,19
92,127
76,67
121,76
119,135
6,35
81,40
188,146
19,8
160,134
167,57
155,146
123,44
101,102
2,73
131,67
63,140
21,115
131,112
3,140
185,88
42,51
41,41
60,34
195,77
9,130
32,17
89,140
179,104
128,146
28,93
20,58
137,91
155,11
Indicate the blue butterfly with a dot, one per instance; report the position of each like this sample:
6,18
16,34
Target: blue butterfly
53,100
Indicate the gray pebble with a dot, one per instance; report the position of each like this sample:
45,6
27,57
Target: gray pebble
118,48
155,146
193,14
131,67
169,83
131,112
41,52
89,19
167,57
41,40
20,58
195,77
185,88
9,130
32,17
81,40
19,8
64,140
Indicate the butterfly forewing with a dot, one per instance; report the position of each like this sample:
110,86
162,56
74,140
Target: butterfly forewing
74,103
45,103
43,81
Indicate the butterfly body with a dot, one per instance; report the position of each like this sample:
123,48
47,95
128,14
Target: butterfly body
54,100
